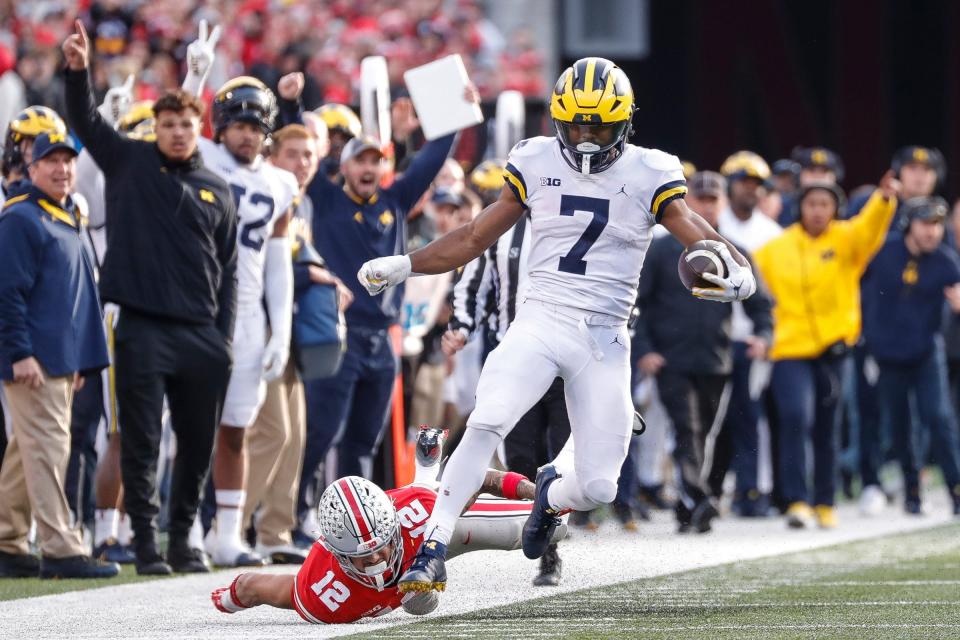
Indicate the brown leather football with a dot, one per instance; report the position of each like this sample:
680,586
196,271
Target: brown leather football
701,257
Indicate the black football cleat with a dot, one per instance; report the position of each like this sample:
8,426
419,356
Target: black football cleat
428,571
543,520
429,447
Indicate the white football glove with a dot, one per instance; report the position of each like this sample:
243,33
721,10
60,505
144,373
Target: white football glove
275,356
380,273
117,102
200,56
738,285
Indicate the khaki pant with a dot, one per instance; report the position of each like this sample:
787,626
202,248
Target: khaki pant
34,468
275,448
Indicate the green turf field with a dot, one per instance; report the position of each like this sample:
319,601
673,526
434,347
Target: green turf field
12,588
905,586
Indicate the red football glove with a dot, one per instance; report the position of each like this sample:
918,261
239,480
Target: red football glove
225,598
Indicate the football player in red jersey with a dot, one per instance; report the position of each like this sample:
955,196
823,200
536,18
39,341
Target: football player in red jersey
368,537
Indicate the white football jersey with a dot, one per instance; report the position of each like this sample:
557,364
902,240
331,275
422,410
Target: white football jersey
590,233
262,193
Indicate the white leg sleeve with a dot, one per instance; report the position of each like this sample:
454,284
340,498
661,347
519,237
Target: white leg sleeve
461,479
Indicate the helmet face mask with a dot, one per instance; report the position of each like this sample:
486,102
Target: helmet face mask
358,520
592,110
244,99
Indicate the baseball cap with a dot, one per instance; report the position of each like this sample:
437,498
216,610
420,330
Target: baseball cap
707,183
819,157
446,195
49,141
931,209
785,166
356,146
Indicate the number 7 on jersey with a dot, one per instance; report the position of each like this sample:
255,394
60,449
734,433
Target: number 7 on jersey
574,261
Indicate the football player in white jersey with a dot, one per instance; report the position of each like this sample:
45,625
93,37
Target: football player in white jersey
593,200
244,110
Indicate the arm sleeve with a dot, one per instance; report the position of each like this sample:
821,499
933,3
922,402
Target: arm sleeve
867,231
21,246
106,146
425,166
278,286
289,112
226,238
468,294
90,185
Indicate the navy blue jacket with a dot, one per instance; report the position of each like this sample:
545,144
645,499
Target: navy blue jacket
903,300
49,307
693,335
348,231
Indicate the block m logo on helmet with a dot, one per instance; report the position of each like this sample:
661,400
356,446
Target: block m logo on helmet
592,108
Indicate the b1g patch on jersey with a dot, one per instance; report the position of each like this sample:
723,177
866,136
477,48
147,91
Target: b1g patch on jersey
549,182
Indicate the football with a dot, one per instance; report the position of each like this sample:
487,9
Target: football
699,258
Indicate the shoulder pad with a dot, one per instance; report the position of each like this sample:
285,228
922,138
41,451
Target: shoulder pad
660,160
530,146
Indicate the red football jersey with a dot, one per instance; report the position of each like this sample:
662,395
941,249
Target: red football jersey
324,593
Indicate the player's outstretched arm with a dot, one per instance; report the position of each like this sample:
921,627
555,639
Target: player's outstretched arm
253,589
688,227
448,252
504,484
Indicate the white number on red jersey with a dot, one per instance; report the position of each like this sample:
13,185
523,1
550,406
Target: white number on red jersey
333,596
412,515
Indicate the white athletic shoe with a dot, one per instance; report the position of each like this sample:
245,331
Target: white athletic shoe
872,501
230,553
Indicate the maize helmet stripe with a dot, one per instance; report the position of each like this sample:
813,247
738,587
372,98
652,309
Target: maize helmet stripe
357,515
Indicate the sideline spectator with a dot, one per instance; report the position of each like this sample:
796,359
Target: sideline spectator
686,343
813,270
47,280
906,285
353,223
176,315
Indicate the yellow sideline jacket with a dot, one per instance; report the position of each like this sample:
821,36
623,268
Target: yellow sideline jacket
815,282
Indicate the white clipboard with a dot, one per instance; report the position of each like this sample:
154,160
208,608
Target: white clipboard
437,91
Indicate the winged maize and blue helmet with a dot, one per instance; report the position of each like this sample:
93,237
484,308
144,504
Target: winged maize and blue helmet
28,124
592,109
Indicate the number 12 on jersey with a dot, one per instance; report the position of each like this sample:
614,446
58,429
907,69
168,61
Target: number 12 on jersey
574,261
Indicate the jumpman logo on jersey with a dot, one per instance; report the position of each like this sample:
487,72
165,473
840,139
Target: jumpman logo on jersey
623,190
616,340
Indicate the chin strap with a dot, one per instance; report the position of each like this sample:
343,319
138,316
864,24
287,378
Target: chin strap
376,572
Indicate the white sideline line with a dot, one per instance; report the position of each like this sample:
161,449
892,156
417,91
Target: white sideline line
180,607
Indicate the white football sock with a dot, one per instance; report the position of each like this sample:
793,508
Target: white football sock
124,530
462,477
229,515
105,525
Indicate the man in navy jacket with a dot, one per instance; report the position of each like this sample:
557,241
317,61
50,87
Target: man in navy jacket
904,291
352,223
51,335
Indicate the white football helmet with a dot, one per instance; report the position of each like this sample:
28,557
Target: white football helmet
357,519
